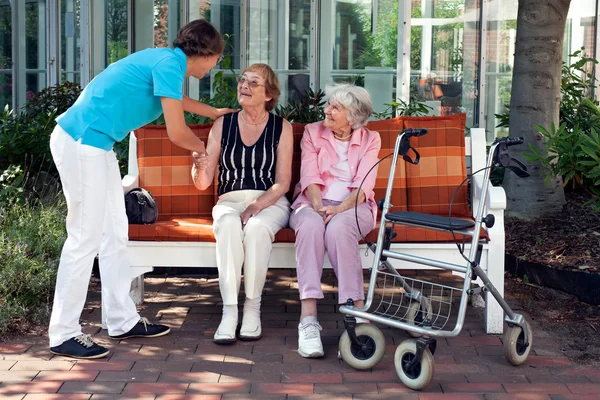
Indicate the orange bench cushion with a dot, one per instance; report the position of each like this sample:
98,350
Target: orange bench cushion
431,184
165,171
185,212
199,229
388,131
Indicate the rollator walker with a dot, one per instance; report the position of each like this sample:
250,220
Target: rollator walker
423,308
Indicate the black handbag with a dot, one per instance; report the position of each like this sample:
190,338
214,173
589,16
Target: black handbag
140,207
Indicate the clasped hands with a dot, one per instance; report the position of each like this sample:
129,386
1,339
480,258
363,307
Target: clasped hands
200,159
201,162
328,212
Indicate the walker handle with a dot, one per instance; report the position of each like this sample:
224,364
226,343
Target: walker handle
512,141
410,132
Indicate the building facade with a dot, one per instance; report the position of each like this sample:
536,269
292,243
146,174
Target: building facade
452,55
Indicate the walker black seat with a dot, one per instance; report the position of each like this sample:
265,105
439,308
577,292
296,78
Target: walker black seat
429,221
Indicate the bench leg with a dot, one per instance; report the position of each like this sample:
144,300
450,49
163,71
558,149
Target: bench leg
494,314
137,290
136,293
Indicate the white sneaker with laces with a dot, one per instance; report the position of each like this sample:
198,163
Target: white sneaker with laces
309,338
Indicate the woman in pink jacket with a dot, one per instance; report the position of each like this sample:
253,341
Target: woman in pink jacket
337,153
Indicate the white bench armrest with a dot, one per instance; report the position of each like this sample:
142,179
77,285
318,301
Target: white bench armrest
132,179
130,182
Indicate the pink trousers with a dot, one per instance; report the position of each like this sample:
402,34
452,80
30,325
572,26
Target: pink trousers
340,239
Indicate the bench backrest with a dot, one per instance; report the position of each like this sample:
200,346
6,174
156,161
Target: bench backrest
164,168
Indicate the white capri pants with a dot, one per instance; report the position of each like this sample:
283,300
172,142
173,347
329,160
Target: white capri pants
250,246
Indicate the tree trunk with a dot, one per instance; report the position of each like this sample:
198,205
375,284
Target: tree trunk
535,100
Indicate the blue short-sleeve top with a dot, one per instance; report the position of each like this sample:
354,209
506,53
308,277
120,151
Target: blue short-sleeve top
125,96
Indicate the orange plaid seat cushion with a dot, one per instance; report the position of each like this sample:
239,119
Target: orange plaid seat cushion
388,131
185,212
432,183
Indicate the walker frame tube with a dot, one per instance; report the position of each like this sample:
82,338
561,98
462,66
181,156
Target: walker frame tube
471,266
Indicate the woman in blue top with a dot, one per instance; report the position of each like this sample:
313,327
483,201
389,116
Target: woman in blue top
125,96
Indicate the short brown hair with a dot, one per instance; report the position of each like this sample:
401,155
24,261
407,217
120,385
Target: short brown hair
199,38
272,89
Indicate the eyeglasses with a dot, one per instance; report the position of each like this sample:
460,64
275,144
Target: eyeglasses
241,79
220,59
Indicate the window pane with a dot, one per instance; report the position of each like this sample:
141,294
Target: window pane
5,90
116,30
35,47
154,24
108,33
5,55
69,41
225,16
580,34
359,41
579,31
279,35
444,56
166,22
501,34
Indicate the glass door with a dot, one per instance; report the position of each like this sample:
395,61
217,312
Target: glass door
109,39
445,56
501,17
22,51
5,54
279,35
70,50
359,44
226,16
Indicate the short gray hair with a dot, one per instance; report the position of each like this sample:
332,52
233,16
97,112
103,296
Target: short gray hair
355,99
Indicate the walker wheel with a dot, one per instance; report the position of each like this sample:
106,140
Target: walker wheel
416,315
415,377
515,349
366,355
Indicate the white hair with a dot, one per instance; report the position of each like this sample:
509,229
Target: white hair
355,99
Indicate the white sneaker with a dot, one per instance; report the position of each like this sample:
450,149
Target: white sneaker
309,338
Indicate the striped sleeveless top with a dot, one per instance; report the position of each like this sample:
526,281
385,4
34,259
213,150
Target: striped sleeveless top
244,167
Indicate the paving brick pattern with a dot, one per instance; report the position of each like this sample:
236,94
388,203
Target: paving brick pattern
188,365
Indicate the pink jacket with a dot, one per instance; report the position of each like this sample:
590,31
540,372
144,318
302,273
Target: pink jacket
318,154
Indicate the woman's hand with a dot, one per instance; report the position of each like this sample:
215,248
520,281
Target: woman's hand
329,212
251,211
317,207
200,160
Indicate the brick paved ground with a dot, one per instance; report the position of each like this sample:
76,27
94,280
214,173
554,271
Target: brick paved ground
187,365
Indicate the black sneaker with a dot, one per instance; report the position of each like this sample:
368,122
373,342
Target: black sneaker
144,329
82,346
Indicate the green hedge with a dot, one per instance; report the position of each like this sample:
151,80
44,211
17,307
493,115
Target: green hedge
31,240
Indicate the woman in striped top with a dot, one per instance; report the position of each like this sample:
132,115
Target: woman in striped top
253,149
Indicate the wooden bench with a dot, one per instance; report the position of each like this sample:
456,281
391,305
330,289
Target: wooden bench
183,235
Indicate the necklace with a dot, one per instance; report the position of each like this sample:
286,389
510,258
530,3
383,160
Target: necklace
254,123
342,138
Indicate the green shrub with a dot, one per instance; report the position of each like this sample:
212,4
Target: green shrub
310,108
55,99
11,188
25,135
32,233
414,108
25,140
577,82
572,150
573,154
31,240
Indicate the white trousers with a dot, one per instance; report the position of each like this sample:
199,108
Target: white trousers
96,224
250,246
